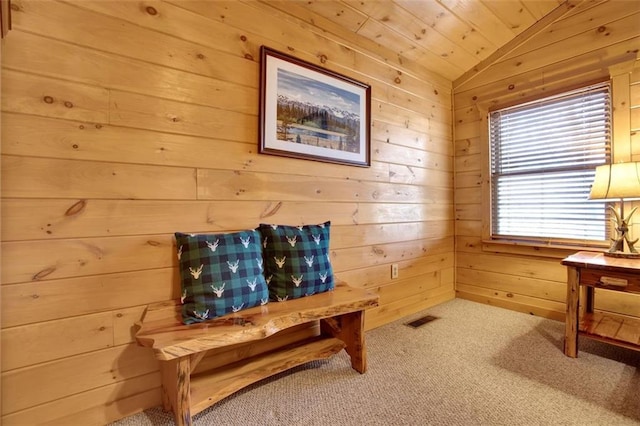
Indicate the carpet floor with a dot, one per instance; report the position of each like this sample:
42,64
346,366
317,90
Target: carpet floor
474,365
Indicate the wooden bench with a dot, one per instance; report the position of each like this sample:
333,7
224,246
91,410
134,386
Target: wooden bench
245,347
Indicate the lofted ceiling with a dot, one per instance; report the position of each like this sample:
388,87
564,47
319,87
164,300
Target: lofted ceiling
448,37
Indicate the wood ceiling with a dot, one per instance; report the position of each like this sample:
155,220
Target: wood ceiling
448,37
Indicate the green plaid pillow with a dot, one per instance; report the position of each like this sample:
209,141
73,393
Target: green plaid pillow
220,273
296,260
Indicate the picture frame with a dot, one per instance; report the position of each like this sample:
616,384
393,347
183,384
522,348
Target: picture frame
312,113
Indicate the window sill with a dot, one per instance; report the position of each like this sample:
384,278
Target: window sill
553,251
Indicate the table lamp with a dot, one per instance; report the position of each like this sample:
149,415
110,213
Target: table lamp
618,182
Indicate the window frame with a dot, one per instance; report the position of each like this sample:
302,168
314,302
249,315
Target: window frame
547,247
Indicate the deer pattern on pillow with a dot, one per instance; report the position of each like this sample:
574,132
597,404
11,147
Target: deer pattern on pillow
220,274
296,260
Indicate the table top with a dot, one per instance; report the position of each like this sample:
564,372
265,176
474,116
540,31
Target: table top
597,260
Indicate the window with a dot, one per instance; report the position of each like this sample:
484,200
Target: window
543,159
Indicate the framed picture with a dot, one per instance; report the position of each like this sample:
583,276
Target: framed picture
312,113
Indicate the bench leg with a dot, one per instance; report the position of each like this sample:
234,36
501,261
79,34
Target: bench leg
350,329
176,389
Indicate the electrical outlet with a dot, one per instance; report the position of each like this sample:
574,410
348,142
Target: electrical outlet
394,270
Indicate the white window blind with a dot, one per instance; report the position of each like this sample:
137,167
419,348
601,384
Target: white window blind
543,160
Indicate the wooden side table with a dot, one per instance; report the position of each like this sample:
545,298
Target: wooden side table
587,271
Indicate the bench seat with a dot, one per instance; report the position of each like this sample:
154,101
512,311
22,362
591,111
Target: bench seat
188,390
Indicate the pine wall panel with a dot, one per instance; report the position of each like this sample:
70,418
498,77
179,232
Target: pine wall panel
123,122
595,41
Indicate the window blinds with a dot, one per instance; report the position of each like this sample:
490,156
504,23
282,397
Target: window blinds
543,159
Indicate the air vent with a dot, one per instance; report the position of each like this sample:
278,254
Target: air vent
421,321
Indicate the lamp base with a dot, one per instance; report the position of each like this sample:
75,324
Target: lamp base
622,254
622,229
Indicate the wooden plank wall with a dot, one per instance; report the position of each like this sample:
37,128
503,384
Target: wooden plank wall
123,122
597,40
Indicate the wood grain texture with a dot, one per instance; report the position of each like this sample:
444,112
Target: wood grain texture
349,330
408,306
114,368
163,331
58,59
145,112
35,343
95,142
29,94
233,377
5,19
513,301
40,301
63,218
129,40
229,185
22,178
421,41
572,315
442,37
217,358
595,41
64,258
132,121
586,272
627,304
247,15
180,348
177,398
602,40
125,398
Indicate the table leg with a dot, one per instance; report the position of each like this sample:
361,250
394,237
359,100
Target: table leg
589,298
571,319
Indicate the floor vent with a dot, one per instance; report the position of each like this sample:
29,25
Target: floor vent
421,321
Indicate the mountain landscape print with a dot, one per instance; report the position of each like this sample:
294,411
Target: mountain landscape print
314,113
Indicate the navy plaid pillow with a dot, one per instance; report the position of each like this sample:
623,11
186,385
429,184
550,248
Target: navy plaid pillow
296,260
220,273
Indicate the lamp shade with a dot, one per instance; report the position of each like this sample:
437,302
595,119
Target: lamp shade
616,181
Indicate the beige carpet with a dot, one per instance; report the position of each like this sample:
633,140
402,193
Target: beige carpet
474,365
